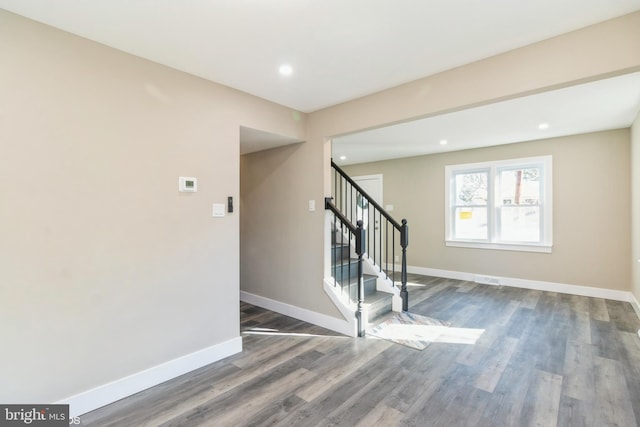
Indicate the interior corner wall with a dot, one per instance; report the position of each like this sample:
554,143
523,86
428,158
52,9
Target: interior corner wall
106,270
635,207
591,211
281,238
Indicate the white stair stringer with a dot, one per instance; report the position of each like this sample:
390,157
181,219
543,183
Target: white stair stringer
346,307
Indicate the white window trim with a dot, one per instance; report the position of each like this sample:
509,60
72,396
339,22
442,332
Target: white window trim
546,243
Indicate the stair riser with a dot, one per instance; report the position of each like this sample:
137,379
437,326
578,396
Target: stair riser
345,271
369,283
380,308
340,253
352,289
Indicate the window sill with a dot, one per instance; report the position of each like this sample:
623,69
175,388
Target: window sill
541,248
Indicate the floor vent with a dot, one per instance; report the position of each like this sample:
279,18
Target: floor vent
487,280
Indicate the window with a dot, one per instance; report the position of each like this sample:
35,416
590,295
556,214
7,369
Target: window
500,205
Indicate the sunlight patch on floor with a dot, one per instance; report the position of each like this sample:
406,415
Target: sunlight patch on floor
418,285
276,332
431,333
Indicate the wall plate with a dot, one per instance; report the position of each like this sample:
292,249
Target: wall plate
218,210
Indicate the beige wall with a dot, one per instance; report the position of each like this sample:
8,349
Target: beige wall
105,269
591,211
275,219
635,209
105,265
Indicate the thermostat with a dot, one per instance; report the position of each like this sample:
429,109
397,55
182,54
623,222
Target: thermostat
187,184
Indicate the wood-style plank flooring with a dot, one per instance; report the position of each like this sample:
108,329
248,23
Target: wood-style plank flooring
541,359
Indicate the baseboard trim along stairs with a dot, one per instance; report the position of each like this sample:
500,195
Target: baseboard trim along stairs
342,326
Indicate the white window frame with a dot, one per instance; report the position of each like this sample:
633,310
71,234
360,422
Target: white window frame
493,168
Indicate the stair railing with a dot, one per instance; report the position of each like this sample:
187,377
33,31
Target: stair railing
342,226
382,230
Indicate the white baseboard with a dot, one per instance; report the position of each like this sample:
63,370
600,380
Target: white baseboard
447,274
108,393
332,323
586,291
346,309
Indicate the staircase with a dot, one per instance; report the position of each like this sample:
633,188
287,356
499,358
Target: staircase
344,268
363,259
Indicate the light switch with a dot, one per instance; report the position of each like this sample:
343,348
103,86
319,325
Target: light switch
218,210
312,205
389,208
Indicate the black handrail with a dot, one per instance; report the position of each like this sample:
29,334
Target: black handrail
374,251
328,204
358,233
365,195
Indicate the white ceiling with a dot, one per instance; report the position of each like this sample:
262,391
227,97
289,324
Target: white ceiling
605,104
339,49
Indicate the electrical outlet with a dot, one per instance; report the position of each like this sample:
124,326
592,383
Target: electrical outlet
397,258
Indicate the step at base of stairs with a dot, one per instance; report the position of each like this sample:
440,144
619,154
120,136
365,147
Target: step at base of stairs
379,304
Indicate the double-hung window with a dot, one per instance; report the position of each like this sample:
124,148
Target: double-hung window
500,205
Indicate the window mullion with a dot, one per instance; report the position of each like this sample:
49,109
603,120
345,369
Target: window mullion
492,214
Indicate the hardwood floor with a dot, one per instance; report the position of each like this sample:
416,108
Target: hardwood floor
543,359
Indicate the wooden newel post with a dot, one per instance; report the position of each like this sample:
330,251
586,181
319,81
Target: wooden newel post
404,242
360,245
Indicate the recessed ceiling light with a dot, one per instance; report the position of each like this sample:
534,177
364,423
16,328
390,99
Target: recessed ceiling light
285,69
343,157
543,126
443,142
